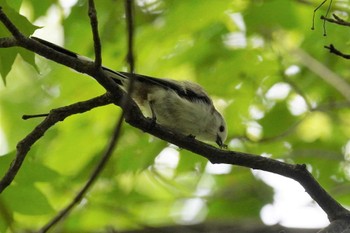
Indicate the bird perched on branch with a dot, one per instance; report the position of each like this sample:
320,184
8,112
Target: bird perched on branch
181,106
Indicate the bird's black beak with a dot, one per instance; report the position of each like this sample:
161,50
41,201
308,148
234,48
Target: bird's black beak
219,142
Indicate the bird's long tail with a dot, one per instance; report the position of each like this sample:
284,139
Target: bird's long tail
121,78
117,76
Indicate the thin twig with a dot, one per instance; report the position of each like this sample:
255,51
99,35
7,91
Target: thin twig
94,27
324,21
130,52
313,16
335,51
26,117
130,30
97,171
108,153
112,144
336,20
55,115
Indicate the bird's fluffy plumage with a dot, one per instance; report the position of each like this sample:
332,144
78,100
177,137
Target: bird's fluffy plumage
181,106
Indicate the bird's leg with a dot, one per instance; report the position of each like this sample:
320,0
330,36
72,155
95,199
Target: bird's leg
191,136
220,143
154,117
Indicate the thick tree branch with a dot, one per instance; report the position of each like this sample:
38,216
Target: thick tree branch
221,227
8,42
134,117
338,226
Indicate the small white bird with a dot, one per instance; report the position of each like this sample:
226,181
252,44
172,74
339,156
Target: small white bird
181,106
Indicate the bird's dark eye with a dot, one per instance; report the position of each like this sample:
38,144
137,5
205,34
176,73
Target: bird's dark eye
221,128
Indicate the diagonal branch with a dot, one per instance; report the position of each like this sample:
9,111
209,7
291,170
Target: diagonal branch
83,66
134,117
8,42
53,117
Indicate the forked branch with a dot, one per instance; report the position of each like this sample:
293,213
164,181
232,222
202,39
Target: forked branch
134,117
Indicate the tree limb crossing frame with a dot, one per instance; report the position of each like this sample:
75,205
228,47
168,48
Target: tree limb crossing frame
134,117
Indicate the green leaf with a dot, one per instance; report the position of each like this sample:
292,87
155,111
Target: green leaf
21,22
270,16
6,216
277,121
26,199
5,161
30,172
135,145
15,4
40,7
29,57
22,196
190,162
243,196
8,56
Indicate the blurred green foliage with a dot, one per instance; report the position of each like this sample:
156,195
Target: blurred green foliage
238,50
